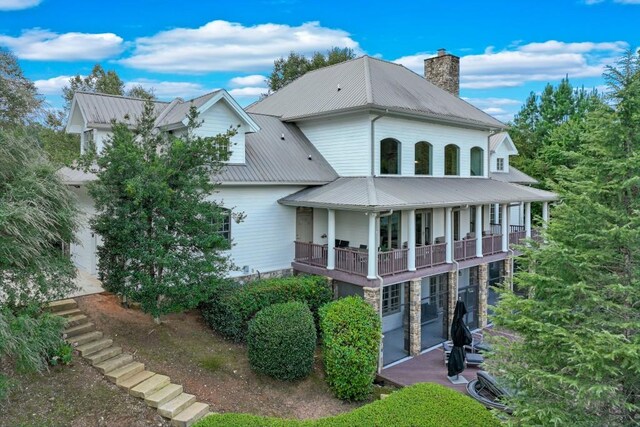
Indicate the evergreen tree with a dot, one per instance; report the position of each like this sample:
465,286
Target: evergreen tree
162,244
19,99
576,359
286,70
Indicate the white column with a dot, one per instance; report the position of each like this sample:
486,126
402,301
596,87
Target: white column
448,235
331,239
372,249
527,219
411,262
505,227
478,230
545,214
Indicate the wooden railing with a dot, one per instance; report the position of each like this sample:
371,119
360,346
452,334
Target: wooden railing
516,237
464,249
495,228
352,261
431,255
492,244
516,228
393,262
311,254
535,235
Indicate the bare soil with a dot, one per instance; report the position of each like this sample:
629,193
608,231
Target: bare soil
184,348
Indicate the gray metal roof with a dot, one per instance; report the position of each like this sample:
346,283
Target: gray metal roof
179,110
270,159
100,109
514,175
496,139
369,83
383,193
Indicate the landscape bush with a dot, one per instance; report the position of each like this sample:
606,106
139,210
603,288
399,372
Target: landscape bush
281,341
234,304
419,405
351,333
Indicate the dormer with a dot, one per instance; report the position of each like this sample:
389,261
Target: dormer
501,146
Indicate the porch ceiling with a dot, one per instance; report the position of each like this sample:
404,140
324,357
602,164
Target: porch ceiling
384,193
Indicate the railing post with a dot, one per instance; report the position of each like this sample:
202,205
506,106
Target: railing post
411,260
505,227
448,236
372,250
331,237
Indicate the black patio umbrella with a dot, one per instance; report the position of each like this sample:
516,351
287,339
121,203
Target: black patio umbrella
461,336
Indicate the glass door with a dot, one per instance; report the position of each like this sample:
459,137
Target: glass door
434,317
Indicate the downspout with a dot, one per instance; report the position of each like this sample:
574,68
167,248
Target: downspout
373,142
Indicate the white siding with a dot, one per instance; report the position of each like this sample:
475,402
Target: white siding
264,240
217,120
320,218
408,132
83,252
501,152
344,142
352,227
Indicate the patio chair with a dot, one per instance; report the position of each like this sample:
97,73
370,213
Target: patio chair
471,359
487,391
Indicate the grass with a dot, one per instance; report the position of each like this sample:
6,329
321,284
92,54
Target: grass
212,363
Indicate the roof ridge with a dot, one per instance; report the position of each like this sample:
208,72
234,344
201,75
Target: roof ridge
167,110
206,94
367,80
134,98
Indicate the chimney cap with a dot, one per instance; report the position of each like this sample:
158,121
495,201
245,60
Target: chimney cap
442,51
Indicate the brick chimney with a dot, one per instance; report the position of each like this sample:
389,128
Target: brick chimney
443,71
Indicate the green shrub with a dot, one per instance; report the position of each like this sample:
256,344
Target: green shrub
62,355
351,333
420,405
281,341
234,305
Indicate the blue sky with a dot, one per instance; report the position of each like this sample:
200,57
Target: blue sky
507,48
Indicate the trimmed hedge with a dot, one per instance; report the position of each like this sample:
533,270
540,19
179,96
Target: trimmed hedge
420,405
234,305
281,341
351,333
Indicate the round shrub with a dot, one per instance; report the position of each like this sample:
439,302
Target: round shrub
281,341
351,333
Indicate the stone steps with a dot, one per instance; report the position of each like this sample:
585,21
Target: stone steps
157,391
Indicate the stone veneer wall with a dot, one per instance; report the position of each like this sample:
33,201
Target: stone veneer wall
452,295
443,71
372,296
483,294
415,308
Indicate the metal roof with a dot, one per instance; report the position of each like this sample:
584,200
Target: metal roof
514,175
271,159
384,193
496,139
179,110
100,109
369,83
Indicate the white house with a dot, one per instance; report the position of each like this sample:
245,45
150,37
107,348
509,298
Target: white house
364,172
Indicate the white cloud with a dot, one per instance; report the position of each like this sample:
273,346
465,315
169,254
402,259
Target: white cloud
52,86
248,91
170,90
502,109
517,65
228,46
18,4
43,45
253,80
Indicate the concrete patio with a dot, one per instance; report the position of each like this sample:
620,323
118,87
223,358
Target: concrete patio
87,284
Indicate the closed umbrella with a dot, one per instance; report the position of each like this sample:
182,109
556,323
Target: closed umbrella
461,336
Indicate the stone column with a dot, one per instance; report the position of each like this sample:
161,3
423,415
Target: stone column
452,298
483,294
508,274
372,296
415,329
331,239
334,286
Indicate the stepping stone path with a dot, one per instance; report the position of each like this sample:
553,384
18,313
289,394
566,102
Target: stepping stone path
157,390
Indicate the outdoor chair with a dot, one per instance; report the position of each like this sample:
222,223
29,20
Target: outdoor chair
471,359
487,391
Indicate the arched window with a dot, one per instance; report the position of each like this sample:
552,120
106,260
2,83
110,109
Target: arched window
389,157
451,160
477,161
423,158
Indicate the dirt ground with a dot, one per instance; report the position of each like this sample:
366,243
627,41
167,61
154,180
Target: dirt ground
184,348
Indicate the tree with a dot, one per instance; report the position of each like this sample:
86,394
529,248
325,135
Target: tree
19,99
286,70
37,216
162,240
576,357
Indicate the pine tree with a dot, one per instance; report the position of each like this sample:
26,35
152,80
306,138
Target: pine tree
576,359
162,245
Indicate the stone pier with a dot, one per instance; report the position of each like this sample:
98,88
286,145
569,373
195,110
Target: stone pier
483,294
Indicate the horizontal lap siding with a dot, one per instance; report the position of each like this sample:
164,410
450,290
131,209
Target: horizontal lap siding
217,120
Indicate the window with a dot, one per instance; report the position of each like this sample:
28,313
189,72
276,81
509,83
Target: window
225,224
390,231
472,219
500,164
423,158
87,141
477,161
389,157
456,225
391,299
451,160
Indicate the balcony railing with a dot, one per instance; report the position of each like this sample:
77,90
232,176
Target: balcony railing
393,261
352,261
464,249
492,244
517,237
431,255
311,253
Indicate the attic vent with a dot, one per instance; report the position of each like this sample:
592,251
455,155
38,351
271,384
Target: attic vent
282,137
339,88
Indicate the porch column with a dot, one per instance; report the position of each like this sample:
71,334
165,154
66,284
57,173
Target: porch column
452,298
411,262
545,214
331,239
505,227
415,329
372,250
448,235
483,294
478,230
527,219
